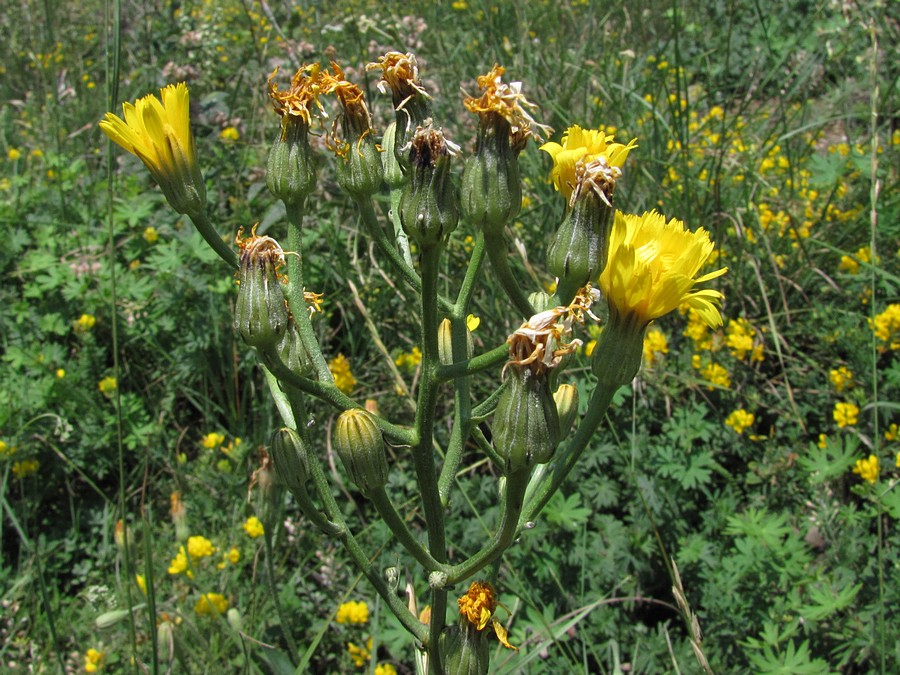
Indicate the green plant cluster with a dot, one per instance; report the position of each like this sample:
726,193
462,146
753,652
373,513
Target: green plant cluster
732,456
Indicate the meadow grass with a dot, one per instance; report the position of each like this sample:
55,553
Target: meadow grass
740,457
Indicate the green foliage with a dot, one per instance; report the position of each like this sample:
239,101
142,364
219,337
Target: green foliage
759,130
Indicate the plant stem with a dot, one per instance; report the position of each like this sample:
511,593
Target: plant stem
423,452
497,252
296,301
516,485
273,589
209,233
400,530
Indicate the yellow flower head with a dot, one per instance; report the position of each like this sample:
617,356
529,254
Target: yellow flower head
150,235
158,132
340,370
253,527
212,440
845,414
93,660
84,323
355,118
867,469
179,563
211,604
655,343
24,468
353,612
652,269
298,100
107,385
13,154
740,420
581,148
359,655
886,327
477,608
385,669
409,360
841,378
507,101
199,547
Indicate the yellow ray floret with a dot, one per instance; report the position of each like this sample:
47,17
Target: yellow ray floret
652,269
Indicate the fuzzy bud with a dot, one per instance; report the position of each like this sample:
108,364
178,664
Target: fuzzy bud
290,170
526,423
260,313
360,446
429,207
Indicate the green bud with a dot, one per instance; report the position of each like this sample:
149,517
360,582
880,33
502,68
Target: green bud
566,399
235,620
291,459
360,172
429,207
165,641
491,193
260,313
445,343
541,301
110,619
526,423
463,651
393,173
290,171
291,352
360,446
578,252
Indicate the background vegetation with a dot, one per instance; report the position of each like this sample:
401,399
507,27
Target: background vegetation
774,125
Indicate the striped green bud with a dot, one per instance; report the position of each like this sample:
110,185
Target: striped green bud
290,170
429,206
260,313
291,459
566,399
360,446
526,422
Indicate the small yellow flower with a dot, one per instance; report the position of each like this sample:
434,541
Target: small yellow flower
740,420
60,373
229,134
253,527
867,469
886,327
84,323
352,612
13,154
211,604
845,414
141,581
179,563
93,660
655,344
823,441
841,378
472,322
340,370
158,132
360,655
199,547
25,468
716,375
150,235
385,669
409,360
212,440
892,433
107,385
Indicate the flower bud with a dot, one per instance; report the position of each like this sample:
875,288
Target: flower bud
290,170
110,619
491,192
165,641
566,399
360,446
526,423
291,458
260,313
360,172
429,207
463,651
445,343
393,173
291,352
541,301
578,251
235,620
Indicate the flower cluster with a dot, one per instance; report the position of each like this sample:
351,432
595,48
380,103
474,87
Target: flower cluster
340,370
354,611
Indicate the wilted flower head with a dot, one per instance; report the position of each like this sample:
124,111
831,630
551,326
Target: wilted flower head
652,269
400,75
355,119
477,608
541,342
587,156
507,101
307,84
